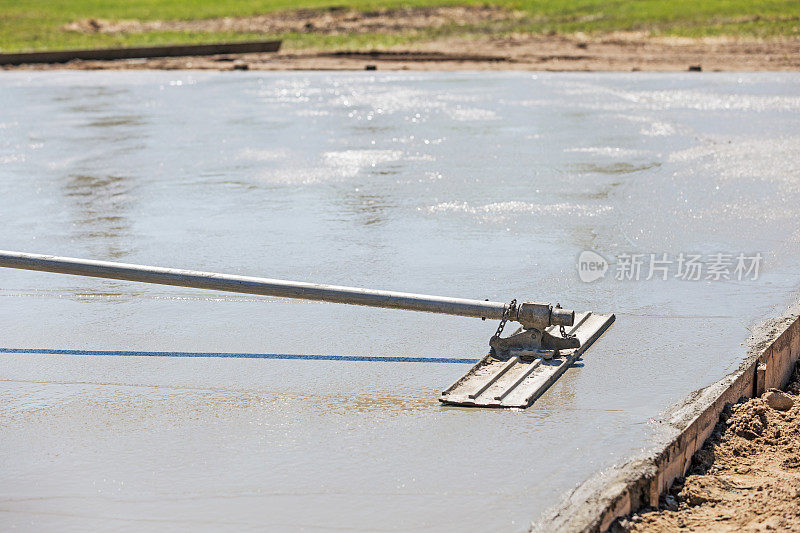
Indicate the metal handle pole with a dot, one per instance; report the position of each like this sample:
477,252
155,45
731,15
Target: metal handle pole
251,285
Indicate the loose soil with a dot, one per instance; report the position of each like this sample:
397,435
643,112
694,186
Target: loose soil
435,46
332,21
745,478
615,52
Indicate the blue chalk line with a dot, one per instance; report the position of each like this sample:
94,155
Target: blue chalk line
132,353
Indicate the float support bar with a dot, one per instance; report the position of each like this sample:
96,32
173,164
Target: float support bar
261,286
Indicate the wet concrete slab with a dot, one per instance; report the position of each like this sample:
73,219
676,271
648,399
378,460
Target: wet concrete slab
460,184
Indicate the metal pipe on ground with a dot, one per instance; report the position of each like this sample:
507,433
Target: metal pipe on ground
530,314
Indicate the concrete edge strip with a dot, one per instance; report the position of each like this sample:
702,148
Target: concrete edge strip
103,54
409,55
773,350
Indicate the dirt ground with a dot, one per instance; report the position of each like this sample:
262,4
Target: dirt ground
482,49
745,478
332,21
625,52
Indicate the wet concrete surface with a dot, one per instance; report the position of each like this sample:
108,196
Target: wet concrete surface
459,184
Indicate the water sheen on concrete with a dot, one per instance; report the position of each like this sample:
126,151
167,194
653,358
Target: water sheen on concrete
459,184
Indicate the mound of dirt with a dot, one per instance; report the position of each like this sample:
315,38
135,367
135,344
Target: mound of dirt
745,478
331,21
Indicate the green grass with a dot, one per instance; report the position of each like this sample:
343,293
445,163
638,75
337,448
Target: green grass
36,24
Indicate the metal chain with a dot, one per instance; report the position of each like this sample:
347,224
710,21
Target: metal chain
506,316
563,330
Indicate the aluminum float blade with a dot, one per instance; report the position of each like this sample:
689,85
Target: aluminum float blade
518,381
